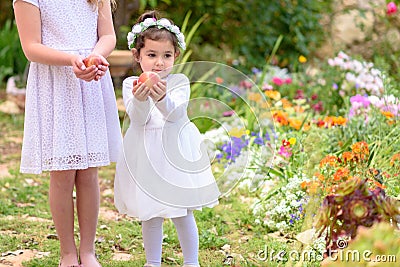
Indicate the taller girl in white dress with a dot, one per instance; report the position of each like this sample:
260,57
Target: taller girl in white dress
71,119
162,171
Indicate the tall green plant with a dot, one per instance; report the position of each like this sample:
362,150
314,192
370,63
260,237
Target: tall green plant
12,58
189,33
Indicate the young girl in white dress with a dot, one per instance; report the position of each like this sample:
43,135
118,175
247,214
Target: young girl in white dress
162,171
71,119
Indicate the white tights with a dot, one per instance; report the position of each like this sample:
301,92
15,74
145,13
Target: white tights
187,234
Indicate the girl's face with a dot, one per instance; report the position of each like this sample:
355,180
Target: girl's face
158,56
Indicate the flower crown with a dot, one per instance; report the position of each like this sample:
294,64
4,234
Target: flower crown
150,22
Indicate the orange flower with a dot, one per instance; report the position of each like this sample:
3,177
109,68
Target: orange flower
295,123
303,185
333,121
378,184
219,80
395,159
286,103
340,120
341,174
280,117
329,160
360,148
347,156
388,114
311,186
320,176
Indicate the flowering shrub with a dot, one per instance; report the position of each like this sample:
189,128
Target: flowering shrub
360,77
334,170
389,106
283,207
338,160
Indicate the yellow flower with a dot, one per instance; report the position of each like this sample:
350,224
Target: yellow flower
292,141
302,59
256,97
235,132
275,95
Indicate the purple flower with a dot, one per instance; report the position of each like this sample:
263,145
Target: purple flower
360,99
255,70
233,148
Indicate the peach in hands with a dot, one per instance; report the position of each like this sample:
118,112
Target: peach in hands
149,78
92,60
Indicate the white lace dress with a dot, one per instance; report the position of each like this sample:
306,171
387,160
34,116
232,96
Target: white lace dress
163,170
69,123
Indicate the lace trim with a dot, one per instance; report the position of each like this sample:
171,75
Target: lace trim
73,162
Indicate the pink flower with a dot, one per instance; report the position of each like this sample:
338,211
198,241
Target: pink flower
228,113
246,84
288,81
278,81
319,107
391,8
285,151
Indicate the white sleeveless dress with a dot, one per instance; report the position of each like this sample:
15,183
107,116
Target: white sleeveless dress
162,170
69,123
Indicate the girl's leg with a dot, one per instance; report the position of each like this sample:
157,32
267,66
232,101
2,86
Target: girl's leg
87,203
152,232
188,238
62,211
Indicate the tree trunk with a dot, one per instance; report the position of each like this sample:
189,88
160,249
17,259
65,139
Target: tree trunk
122,16
6,12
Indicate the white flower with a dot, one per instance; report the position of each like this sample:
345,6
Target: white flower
136,29
148,22
130,37
164,22
182,45
175,29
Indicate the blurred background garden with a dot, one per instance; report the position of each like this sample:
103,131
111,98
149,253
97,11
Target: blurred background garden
306,144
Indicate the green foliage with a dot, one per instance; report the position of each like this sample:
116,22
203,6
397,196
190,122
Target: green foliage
150,3
250,28
12,58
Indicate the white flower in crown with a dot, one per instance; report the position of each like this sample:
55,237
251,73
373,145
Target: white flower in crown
164,23
130,37
136,29
175,29
148,22
181,40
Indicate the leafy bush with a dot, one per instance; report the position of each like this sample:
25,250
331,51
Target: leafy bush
250,28
12,58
